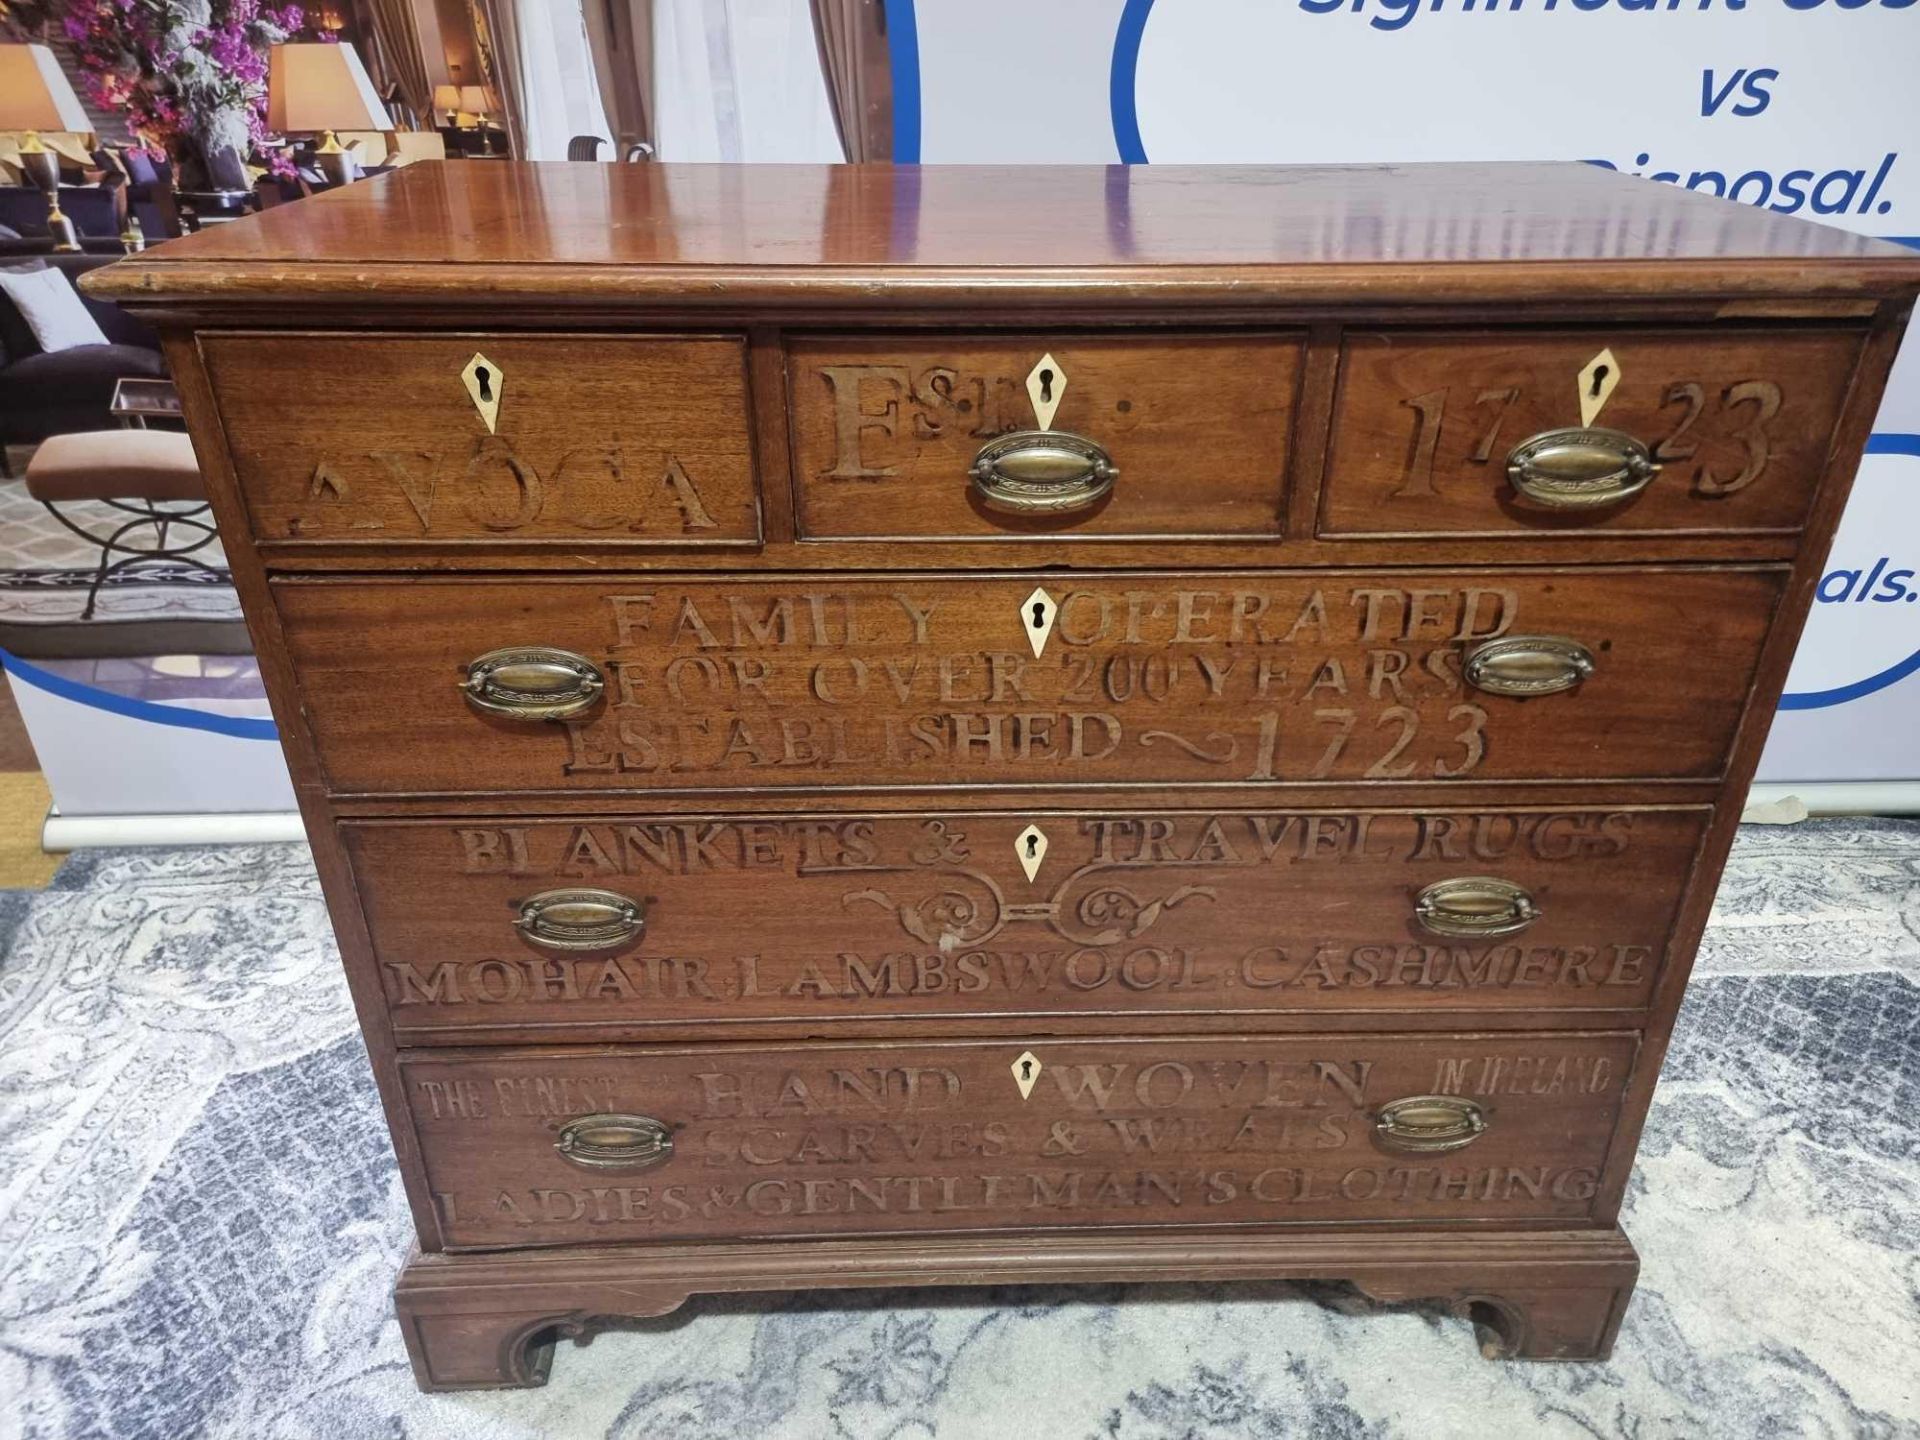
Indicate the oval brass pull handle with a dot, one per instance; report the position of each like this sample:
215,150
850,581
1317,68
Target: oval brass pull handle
1428,1124
533,682
580,919
1473,906
1528,665
1580,468
615,1142
1041,472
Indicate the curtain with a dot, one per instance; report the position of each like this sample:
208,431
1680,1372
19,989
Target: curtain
852,37
498,32
399,56
621,33
558,97
740,80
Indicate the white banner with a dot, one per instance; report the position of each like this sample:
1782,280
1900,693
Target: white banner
1802,106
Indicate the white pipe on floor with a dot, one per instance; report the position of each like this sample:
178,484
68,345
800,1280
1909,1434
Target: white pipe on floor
89,832
1844,797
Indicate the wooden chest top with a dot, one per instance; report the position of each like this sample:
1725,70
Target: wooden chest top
1020,236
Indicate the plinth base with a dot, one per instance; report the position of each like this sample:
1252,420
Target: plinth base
475,1321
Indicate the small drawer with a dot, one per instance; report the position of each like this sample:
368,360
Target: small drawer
1582,432
591,1146
634,923
780,683
1149,435
463,439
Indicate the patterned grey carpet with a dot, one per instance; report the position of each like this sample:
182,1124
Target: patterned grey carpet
45,569
199,1218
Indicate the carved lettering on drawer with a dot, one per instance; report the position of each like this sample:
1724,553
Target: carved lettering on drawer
1183,1131
873,404
1523,1075
810,845
491,487
771,684
885,431
1739,421
519,1094
1044,978
343,438
1028,1197
917,915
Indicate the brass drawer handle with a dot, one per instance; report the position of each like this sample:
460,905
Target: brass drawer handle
1428,1124
1472,906
1580,469
580,919
1528,665
1041,472
615,1142
533,682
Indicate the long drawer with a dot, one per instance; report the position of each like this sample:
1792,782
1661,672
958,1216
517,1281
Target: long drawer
689,922
585,1146
780,683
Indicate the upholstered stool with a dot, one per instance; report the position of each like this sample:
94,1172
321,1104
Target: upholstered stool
150,475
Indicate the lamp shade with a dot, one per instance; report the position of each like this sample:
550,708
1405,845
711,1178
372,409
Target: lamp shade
446,97
476,99
321,87
34,95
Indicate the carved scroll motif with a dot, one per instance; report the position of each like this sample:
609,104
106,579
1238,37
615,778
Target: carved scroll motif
1197,751
971,909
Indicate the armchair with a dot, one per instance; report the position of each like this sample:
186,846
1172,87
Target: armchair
97,213
149,191
45,394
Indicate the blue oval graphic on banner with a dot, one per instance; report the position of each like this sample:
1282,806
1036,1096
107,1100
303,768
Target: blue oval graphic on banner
1862,573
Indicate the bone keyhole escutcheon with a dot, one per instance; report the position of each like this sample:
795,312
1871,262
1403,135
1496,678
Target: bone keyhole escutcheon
1030,849
1037,614
1598,379
1026,1071
1046,383
484,384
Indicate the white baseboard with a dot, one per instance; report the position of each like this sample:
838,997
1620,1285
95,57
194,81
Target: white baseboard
1838,797
89,832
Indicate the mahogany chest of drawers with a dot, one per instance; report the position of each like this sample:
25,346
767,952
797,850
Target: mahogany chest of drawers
878,726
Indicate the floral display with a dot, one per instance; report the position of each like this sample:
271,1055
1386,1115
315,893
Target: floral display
190,75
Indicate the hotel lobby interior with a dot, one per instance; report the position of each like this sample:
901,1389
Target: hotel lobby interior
123,127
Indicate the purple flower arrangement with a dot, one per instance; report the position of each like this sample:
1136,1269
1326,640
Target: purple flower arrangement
191,75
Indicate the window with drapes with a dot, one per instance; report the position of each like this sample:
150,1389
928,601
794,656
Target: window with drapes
561,98
740,80
769,80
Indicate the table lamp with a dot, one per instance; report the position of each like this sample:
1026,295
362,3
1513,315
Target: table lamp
477,100
447,98
35,96
321,88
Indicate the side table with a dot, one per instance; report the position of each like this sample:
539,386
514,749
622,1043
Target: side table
137,399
